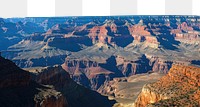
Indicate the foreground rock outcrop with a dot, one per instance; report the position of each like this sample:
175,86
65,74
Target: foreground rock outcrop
18,90
180,87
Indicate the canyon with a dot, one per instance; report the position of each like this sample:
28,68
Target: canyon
51,87
100,58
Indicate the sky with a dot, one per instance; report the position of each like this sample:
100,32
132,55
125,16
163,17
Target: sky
51,8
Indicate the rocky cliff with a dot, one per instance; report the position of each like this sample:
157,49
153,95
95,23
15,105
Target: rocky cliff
87,73
18,90
180,87
75,94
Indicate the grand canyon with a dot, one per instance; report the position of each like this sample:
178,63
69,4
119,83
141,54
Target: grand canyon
102,61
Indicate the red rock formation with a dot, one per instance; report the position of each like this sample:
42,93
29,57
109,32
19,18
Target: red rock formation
179,87
139,30
98,33
192,35
110,33
184,32
140,34
87,73
184,26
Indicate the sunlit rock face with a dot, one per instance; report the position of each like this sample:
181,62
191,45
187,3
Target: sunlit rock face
179,87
